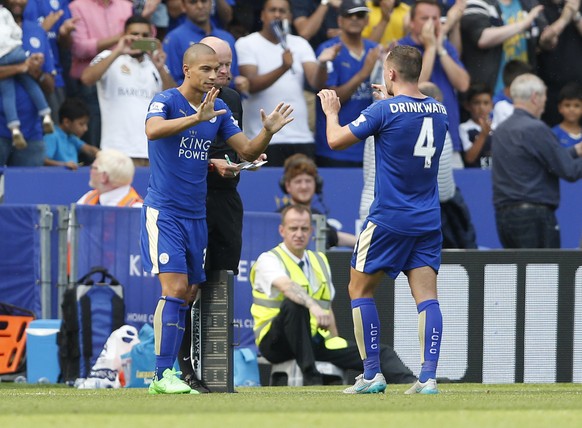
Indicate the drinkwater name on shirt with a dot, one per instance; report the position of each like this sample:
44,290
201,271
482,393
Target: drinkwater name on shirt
409,107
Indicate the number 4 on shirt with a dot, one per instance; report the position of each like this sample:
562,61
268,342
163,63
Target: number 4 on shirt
424,143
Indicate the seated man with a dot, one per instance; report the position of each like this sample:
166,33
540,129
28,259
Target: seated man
292,293
302,182
111,178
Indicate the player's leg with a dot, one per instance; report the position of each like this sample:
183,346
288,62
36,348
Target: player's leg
423,286
378,250
169,320
366,331
164,253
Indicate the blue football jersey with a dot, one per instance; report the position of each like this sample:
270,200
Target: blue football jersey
409,136
179,163
565,139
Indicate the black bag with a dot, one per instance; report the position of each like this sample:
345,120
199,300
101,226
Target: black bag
91,312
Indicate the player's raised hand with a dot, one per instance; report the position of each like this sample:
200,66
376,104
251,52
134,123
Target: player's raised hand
380,92
330,102
206,111
278,118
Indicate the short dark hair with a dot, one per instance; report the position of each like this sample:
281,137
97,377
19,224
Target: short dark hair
417,2
570,91
477,88
407,60
135,19
512,69
297,207
73,109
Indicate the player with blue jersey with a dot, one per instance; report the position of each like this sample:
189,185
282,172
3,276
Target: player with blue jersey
402,232
181,123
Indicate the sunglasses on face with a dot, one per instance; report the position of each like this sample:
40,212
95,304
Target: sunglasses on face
358,15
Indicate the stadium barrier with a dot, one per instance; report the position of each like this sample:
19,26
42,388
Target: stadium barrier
509,316
260,192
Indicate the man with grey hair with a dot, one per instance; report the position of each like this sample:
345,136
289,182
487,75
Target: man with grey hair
111,177
528,162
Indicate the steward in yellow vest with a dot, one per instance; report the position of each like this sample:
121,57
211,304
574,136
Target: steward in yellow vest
265,308
292,295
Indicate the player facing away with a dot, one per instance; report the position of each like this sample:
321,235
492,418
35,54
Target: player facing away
402,233
180,125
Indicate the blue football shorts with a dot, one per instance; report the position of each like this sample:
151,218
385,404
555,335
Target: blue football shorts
171,244
378,248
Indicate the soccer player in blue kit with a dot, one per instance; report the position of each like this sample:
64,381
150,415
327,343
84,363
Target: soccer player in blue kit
180,125
402,232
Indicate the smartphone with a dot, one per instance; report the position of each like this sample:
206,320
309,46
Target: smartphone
146,44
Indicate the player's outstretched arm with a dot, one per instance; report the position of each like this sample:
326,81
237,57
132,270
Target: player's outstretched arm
157,127
272,123
338,137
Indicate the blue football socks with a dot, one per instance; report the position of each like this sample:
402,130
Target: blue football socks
168,329
430,328
367,332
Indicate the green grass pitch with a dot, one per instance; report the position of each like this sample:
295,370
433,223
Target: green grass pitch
458,405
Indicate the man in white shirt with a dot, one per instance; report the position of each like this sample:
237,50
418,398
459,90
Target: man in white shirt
277,68
127,79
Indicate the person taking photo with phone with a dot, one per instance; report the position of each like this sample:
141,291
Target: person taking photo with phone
127,77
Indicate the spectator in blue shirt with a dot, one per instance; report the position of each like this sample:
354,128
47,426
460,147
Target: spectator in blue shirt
41,67
196,26
440,63
569,131
349,75
62,147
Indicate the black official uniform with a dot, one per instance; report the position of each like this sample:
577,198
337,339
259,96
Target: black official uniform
224,209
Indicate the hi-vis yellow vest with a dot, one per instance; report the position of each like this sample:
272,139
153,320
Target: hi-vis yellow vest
264,308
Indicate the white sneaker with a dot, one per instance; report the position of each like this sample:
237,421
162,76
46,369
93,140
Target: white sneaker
18,140
363,386
428,387
47,124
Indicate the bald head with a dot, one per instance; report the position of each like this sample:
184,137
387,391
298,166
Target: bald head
224,54
431,90
200,69
220,46
194,52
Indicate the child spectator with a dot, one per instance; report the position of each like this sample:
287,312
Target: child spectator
475,132
63,146
502,102
11,52
569,131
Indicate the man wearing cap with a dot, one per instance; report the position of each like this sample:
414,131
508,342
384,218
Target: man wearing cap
349,75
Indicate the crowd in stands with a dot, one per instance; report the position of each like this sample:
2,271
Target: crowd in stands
83,53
